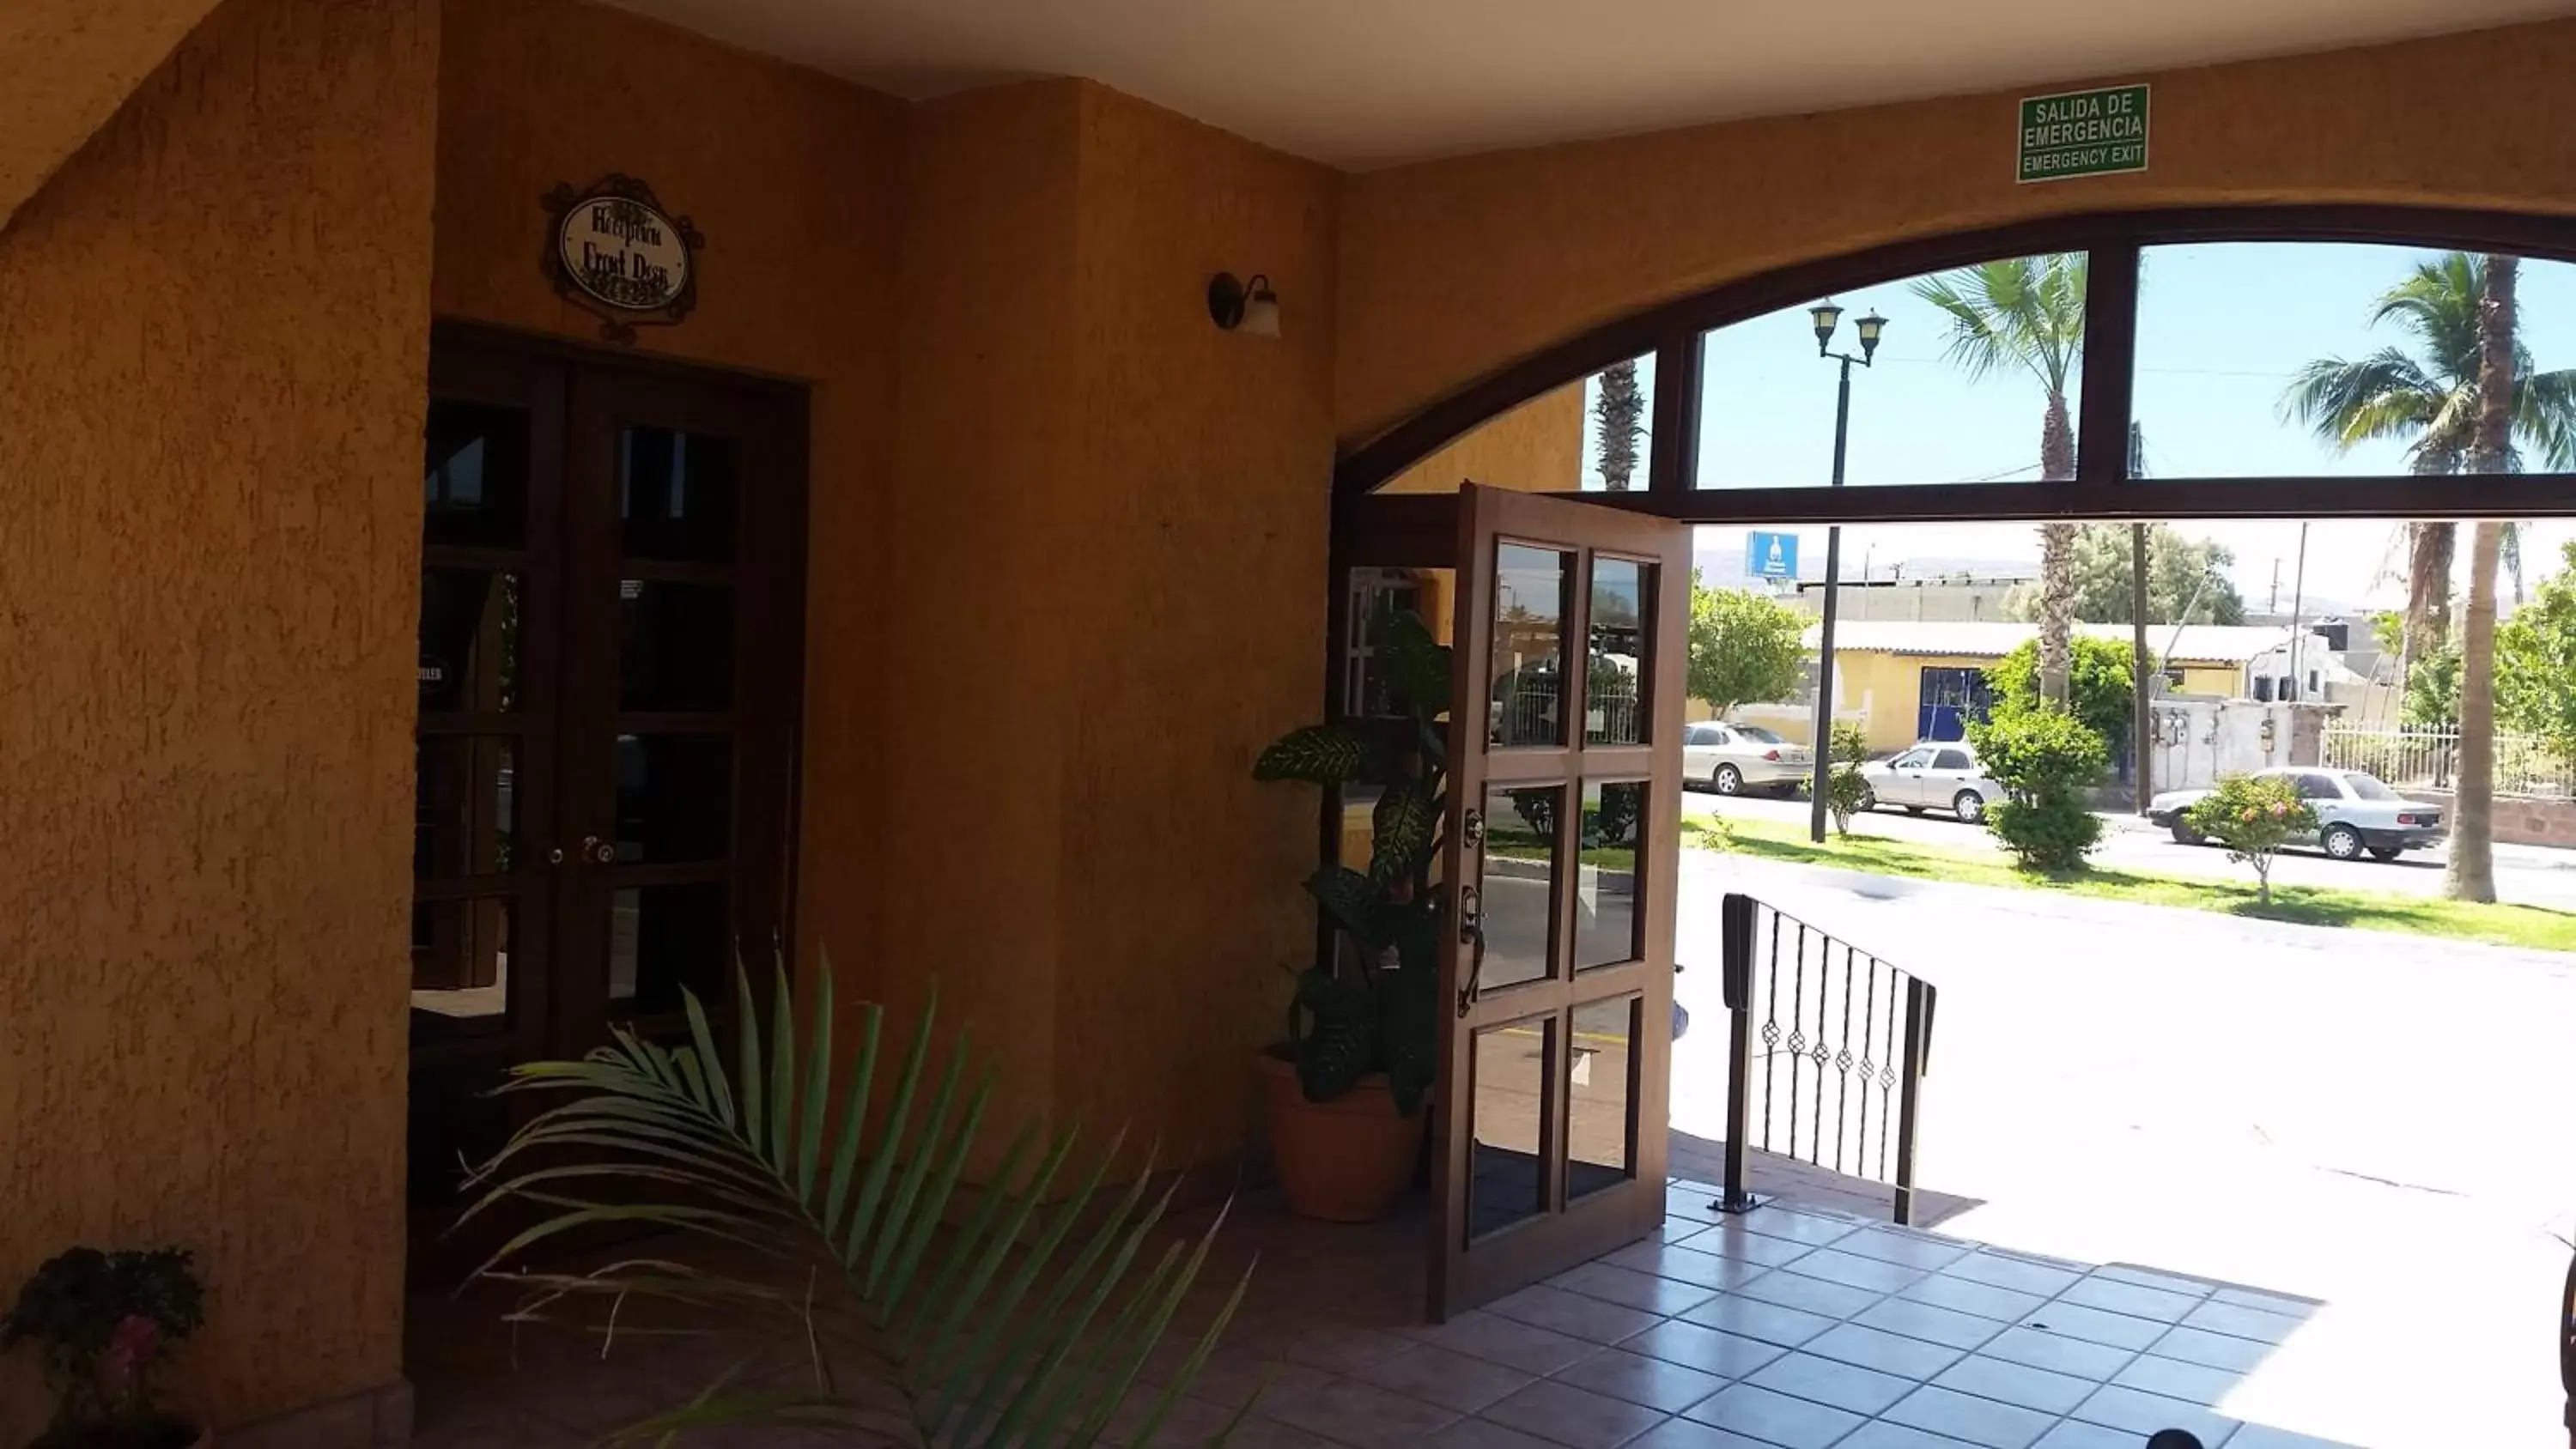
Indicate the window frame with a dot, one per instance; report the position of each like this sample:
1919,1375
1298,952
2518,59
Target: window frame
2101,489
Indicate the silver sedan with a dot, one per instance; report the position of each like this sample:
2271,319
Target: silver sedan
1734,758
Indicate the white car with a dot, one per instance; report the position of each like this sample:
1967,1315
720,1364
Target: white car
2357,812
1734,758
1934,775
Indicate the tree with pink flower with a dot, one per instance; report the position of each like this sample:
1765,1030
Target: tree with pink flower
2253,816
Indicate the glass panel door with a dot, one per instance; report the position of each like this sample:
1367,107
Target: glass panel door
610,645
490,622
1565,753
675,742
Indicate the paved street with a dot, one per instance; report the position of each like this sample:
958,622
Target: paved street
2375,1120
2525,875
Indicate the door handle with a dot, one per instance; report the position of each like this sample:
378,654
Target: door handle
1471,934
594,848
555,856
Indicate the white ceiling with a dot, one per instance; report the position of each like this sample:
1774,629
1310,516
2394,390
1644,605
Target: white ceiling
1362,83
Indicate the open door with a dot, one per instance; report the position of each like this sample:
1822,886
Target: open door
1557,972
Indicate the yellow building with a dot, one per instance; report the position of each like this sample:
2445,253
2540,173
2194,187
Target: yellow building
1902,681
861,508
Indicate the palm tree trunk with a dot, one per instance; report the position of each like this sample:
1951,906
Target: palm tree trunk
2429,550
2056,560
2472,873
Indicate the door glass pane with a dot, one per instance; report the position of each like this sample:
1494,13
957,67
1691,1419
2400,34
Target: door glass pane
469,640
1614,665
1520,883
474,482
460,963
675,646
1529,645
674,797
1600,1096
675,495
463,820
663,938
1505,1183
1606,923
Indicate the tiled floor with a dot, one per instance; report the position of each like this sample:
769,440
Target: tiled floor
1788,1328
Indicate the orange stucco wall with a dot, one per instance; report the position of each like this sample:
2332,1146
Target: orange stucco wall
1198,554
1103,566
212,334
1536,447
66,65
1452,269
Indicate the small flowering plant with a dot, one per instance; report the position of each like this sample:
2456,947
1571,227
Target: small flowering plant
104,1322
2254,816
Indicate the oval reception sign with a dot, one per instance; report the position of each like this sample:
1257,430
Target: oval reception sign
624,253
619,253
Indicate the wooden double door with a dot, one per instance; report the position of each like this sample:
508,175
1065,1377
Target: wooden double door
611,630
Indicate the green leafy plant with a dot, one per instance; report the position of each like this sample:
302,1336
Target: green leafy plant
2099,687
2253,816
1376,1006
104,1321
2044,758
1845,789
1744,647
818,1190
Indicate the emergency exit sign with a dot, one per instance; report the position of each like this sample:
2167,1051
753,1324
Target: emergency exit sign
2083,133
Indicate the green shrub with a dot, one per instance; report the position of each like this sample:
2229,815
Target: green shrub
2100,686
2044,759
1844,788
2253,816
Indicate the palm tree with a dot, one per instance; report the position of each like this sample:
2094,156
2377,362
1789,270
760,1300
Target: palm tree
1620,410
2471,876
2429,399
2026,314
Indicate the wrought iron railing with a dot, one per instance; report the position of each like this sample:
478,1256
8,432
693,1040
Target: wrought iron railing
1826,1052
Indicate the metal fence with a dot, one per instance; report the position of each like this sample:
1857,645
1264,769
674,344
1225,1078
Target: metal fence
1827,1048
1525,710
2428,758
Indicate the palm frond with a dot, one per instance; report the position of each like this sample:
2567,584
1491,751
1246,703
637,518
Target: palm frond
1025,1325
2014,313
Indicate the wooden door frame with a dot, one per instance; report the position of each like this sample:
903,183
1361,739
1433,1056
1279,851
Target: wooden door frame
1464,1271
772,593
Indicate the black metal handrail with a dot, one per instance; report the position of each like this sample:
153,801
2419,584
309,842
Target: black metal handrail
1835,1026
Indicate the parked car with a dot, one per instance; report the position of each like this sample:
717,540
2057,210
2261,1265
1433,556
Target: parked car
1934,775
2356,812
1734,758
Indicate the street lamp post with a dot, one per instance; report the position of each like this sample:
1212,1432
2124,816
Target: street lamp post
1826,317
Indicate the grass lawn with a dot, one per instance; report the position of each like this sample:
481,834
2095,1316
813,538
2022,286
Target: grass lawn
2504,925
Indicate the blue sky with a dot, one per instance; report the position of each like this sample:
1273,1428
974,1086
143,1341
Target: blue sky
2221,330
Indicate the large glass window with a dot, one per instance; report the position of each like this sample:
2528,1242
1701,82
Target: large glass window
2291,359
1977,377
1590,436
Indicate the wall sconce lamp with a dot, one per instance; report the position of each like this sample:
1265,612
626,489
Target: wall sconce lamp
1249,306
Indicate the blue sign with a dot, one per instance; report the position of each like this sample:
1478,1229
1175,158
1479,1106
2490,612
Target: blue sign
1771,555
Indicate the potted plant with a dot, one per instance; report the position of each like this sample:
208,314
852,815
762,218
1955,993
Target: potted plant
1346,1089
104,1321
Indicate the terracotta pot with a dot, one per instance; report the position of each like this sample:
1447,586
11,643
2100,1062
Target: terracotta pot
1346,1160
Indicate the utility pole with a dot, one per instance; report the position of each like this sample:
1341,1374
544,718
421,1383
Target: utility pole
2298,608
2142,710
